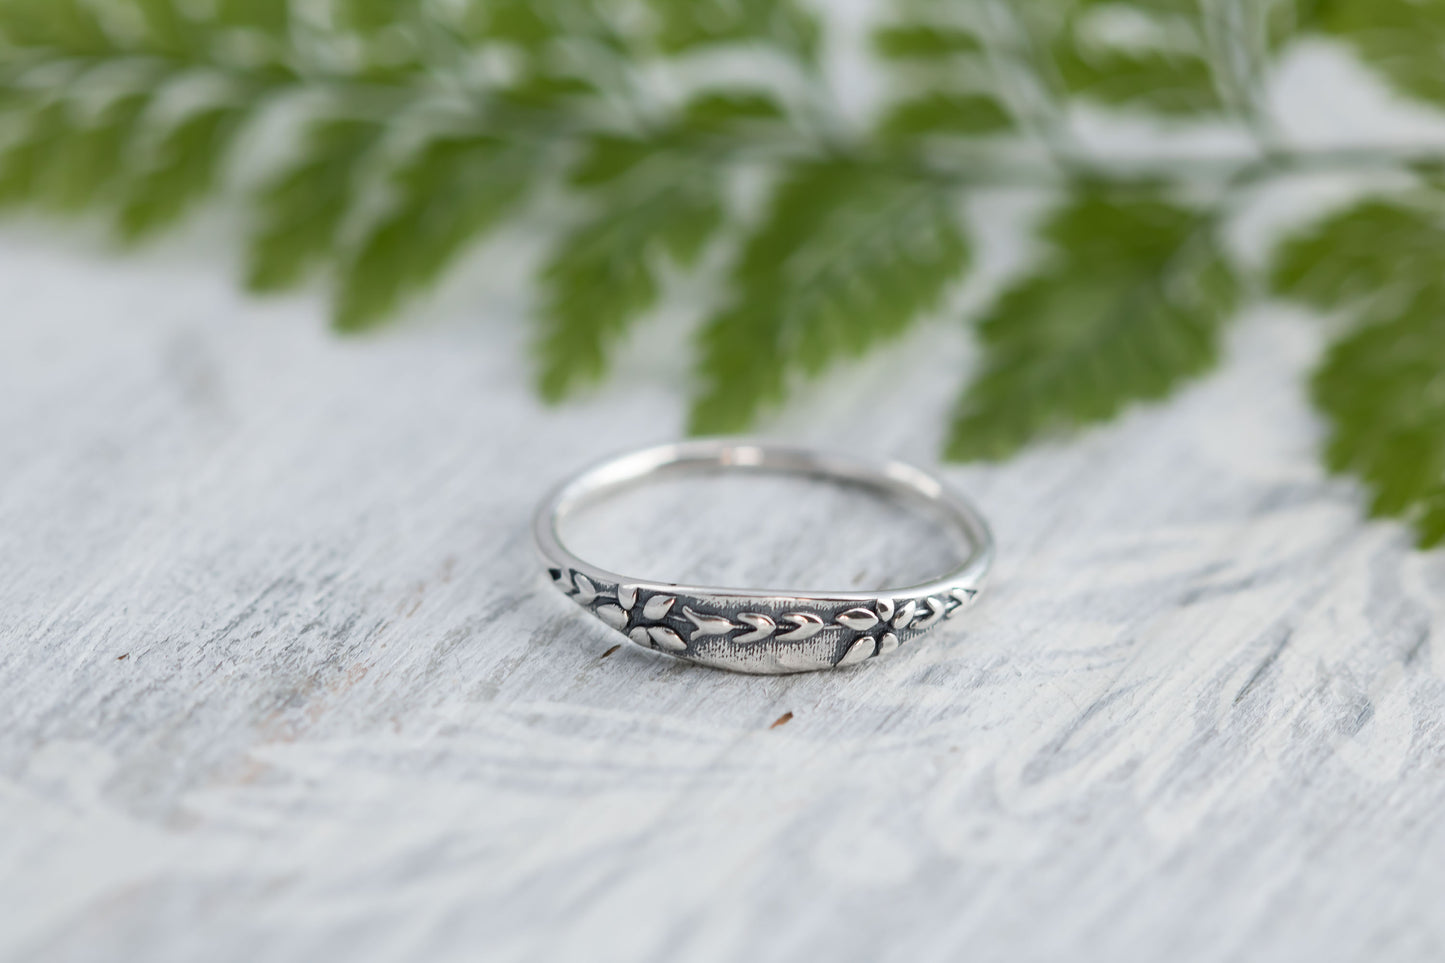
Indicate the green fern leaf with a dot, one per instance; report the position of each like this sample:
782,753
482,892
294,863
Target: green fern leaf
396,41
541,93
946,83
1177,9
846,257
182,169
1130,303
63,26
687,25
1169,74
67,158
1381,390
526,24
166,30
1152,80
87,134
535,27
604,274
268,17
371,15
453,190
41,132
1380,386
941,112
1378,251
922,41
725,110
87,158
1401,38
607,157
302,209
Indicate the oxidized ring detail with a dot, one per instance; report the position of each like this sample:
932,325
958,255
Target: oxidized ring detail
765,631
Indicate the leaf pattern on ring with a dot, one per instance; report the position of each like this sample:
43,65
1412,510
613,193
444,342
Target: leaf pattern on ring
586,591
707,624
612,615
762,627
859,619
808,625
965,598
666,639
887,613
657,606
857,652
936,609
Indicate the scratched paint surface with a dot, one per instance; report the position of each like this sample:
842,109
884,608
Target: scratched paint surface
279,679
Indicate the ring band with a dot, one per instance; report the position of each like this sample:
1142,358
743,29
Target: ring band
764,631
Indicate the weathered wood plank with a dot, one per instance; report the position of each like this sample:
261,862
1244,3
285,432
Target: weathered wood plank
279,678
281,682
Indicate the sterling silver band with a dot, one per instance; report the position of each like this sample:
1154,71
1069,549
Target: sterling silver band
764,631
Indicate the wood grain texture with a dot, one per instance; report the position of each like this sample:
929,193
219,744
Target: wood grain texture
281,680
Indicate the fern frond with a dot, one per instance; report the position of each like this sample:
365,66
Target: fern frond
945,84
84,157
1380,390
35,143
1400,38
1167,83
603,274
93,99
69,27
723,111
925,41
1167,73
138,108
846,257
300,210
942,112
1129,304
453,190
687,25
1380,385
67,155
1378,252
181,170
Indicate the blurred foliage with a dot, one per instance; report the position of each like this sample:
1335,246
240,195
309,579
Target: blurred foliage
371,143
1382,384
1130,301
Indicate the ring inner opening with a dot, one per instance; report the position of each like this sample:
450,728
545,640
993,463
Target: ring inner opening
763,530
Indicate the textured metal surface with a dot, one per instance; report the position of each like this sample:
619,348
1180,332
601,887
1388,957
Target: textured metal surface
764,631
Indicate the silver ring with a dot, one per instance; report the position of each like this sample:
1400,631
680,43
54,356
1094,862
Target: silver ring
764,631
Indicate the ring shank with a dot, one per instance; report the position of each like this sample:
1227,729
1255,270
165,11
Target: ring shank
900,482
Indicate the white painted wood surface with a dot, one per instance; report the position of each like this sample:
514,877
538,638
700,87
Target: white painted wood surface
279,679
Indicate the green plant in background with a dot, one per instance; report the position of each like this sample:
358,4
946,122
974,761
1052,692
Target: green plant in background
412,127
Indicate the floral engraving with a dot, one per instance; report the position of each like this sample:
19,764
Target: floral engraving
855,631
